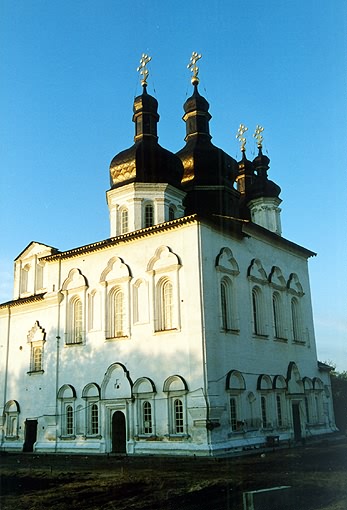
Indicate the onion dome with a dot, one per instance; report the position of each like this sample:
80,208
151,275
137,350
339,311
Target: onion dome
204,163
262,186
246,176
146,160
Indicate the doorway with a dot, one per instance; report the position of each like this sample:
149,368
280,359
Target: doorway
118,432
30,435
296,422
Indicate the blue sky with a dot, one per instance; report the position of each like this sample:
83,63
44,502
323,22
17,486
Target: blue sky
68,79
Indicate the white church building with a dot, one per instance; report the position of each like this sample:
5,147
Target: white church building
188,331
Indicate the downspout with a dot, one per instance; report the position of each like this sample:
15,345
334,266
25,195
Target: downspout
6,368
57,361
203,337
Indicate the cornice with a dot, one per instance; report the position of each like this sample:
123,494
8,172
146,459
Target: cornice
23,301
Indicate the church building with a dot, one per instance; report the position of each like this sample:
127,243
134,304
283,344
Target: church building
188,331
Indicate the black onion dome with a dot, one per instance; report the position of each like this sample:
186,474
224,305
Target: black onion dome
203,162
146,160
262,186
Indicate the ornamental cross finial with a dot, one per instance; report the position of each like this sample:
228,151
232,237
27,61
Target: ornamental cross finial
241,131
193,67
258,136
143,69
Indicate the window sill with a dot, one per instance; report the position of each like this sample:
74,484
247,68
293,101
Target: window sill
145,437
299,342
92,436
163,331
234,331
11,438
35,372
260,336
72,344
178,437
68,438
280,339
115,338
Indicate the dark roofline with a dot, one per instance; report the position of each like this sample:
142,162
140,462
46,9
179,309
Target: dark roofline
112,241
324,367
23,301
36,242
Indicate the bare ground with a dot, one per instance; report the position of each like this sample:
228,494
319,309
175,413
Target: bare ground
316,473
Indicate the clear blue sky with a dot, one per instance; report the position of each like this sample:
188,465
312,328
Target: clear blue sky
68,79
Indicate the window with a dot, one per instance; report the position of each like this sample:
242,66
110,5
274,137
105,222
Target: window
91,310
24,279
118,313
124,221
77,321
147,417
149,215
69,420
276,314
165,305
36,359
224,305
258,328
94,419
178,416
176,388
307,409
39,276
279,410
295,319
233,413
263,411
11,411
36,337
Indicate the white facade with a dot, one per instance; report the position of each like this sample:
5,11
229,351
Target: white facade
180,335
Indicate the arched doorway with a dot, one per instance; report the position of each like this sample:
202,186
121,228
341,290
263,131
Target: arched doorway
118,432
30,435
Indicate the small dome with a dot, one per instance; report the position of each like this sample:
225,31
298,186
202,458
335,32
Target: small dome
146,160
262,186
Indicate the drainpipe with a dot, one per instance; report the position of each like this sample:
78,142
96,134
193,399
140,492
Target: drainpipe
203,336
6,366
57,362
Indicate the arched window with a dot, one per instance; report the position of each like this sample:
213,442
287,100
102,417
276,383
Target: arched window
69,420
224,297
166,306
94,419
77,321
149,215
146,417
116,313
279,410
294,305
277,315
263,411
178,416
258,327
118,324
124,224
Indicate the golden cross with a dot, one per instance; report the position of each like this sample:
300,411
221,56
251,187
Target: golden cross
258,136
143,69
193,67
240,132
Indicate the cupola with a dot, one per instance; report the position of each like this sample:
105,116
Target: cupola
262,195
209,172
145,179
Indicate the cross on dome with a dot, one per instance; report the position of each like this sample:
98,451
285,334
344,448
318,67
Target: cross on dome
193,67
142,69
240,132
258,136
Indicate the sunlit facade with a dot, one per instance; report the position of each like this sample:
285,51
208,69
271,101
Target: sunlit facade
188,331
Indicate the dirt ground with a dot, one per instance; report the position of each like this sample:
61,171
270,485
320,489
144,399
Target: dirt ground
317,475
